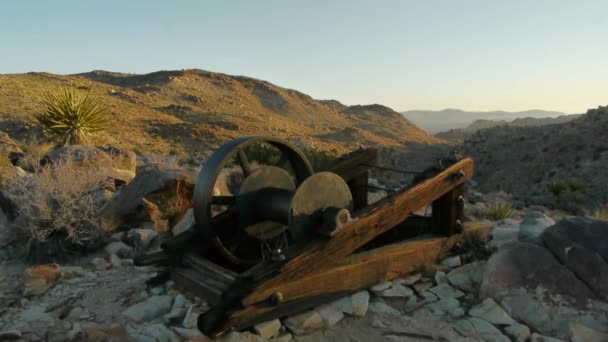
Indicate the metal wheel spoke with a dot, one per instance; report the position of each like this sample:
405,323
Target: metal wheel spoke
244,162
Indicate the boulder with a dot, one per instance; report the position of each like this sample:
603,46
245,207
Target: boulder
582,332
184,224
140,238
153,195
512,268
330,314
446,291
78,156
582,245
8,145
518,332
122,158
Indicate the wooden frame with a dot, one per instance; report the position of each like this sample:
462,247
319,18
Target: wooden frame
327,268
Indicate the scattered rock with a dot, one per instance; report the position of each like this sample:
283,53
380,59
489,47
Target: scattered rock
100,264
446,306
429,297
411,279
184,224
330,314
360,303
267,329
9,335
396,291
452,262
191,317
533,224
518,332
159,333
140,238
120,249
304,323
378,306
193,335
504,232
446,291
149,309
78,156
583,333
479,329
381,286
115,261
283,337
38,279
440,278
490,311
540,338
122,158
421,287
467,277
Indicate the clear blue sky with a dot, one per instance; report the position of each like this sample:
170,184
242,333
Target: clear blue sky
473,55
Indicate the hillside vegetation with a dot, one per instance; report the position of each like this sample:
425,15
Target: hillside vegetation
194,111
562,165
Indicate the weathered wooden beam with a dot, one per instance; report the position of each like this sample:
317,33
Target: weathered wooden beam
357,272
448,210
372,221
358,188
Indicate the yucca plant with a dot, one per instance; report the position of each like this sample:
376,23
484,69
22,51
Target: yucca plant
496,211
73,117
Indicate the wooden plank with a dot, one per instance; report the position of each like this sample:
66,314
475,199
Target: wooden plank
352,164
209,269
358,188
447,210
357,272
192,281
373,221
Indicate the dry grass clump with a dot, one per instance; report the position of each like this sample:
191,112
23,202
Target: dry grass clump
599,213
496,211
58,201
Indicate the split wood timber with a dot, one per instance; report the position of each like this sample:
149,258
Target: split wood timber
327,268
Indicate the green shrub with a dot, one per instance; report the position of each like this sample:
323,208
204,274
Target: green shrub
497,211
575,185
557,188
71,116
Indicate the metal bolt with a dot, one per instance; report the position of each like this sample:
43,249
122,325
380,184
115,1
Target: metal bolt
461,173
459,227
460,200
276,298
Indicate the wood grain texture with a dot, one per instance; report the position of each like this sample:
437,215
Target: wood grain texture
372,221
357,272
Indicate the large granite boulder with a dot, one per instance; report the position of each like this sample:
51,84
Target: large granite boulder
555,280
581,244
159,195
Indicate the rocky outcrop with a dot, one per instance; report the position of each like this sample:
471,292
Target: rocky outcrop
159,195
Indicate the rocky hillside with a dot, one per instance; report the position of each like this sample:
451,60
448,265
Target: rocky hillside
437,121
562,165
195,110
458,135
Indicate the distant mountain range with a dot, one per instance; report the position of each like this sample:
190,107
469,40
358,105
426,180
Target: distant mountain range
458,135
443,120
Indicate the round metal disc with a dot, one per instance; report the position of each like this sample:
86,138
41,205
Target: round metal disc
319,191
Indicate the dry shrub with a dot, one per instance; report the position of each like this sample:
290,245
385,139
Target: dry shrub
496,211
58,200
599,213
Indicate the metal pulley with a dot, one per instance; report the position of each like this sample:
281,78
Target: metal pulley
274,207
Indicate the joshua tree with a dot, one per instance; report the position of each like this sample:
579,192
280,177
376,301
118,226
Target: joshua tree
71,115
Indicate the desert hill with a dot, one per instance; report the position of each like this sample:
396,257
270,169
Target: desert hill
460,134
443,120
179,112
561,165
